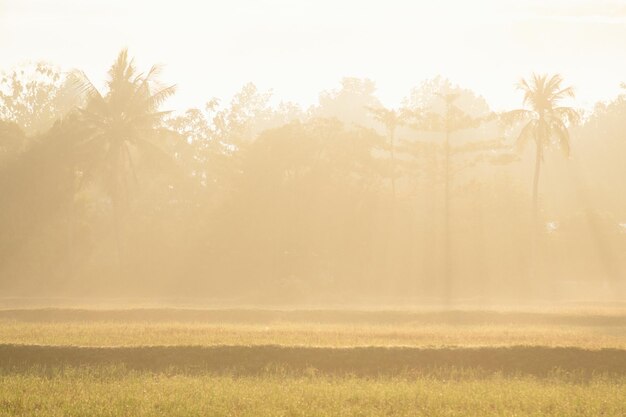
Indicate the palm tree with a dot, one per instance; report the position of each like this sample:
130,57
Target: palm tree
115,124
546,124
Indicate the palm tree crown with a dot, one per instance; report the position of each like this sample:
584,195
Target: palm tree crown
547,120
127,115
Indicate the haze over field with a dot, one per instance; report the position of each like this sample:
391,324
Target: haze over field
312,208
399,154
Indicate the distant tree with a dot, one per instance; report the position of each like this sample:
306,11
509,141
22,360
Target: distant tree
118,123
248,114
391,119
349,103
438,106
546,124
33,96
36,189
427,97
453,119
305,192
12,139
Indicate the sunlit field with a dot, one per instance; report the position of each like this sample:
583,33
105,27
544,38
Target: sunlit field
312,363
272,208
588,329
113,392
291,334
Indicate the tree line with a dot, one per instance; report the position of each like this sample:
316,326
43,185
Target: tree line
440,200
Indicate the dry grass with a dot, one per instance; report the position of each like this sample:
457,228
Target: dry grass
588,329
342,342
172,362
100,392
102,333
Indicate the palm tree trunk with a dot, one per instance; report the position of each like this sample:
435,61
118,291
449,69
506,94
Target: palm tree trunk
447,240
70,216
116,200
390,236
117,225
535,217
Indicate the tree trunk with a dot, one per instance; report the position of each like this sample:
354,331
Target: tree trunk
535,217
116,200
70,215
392,133
447,271
390,235
117,225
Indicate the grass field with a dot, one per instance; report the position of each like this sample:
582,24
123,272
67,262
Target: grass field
590,329
113,392
170,362
291,334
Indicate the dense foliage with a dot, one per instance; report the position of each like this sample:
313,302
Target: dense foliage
344,201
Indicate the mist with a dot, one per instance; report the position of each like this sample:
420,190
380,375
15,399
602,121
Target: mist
283,154
334,208
109,193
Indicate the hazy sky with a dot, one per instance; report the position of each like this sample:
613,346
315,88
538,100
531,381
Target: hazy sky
298,48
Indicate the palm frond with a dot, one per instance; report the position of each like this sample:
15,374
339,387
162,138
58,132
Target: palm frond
82,85
523,85
567,113
154,73
553,84
144,84
563,93
122,68
559,130
155,100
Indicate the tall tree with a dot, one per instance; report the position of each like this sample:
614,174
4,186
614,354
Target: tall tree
546,123
391,119
440,107
118,123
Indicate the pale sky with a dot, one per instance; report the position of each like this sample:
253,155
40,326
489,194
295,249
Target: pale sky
298,48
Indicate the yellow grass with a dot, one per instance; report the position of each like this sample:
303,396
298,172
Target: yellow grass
97,393
102,333
161,362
